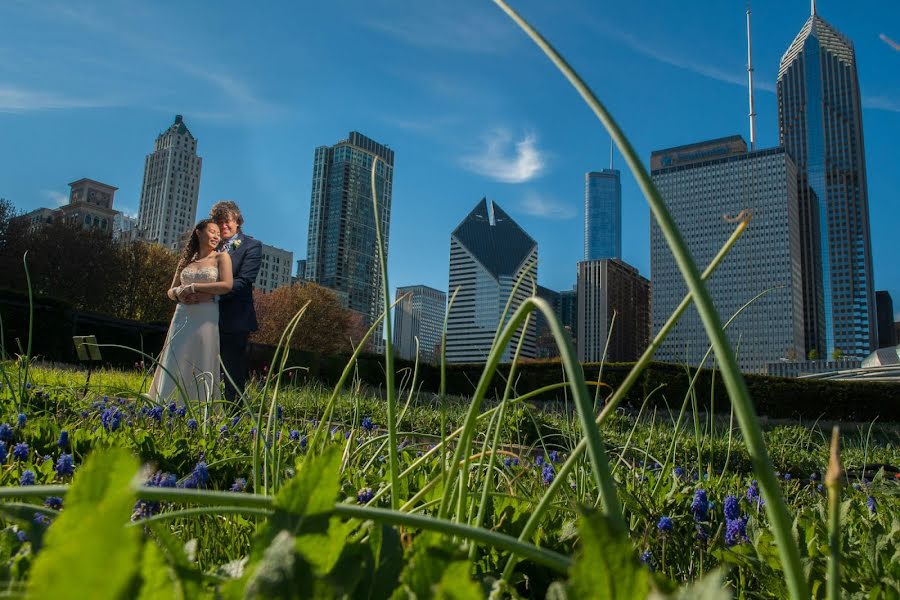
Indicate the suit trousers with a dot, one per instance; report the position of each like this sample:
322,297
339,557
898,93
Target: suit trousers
233,348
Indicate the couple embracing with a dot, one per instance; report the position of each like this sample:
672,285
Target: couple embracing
213,286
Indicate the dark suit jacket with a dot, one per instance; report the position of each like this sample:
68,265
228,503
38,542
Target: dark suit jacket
236,312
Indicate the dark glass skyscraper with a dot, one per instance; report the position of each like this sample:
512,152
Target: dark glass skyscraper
341,252
820,124
602,215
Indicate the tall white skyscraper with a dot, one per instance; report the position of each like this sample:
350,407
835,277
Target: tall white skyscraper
489,252
171,187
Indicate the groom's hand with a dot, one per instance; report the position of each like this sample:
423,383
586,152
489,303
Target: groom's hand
196,298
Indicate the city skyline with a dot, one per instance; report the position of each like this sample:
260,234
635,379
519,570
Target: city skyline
460,134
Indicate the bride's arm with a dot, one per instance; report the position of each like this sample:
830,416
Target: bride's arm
226,279
174,289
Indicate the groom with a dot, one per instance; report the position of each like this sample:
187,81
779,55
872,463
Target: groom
237,317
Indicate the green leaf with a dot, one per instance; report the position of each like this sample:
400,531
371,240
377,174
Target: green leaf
606,566
89,552
322,551
455,583
315,486
388,553
159,580
426,567
276,574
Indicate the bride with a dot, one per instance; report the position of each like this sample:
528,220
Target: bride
190,357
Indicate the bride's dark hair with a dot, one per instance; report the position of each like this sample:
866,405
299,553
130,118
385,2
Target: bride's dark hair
192,244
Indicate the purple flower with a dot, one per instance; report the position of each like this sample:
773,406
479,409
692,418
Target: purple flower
235,419
20,451
753,495
365,495
111,419
664,524
223,430
679,472
54,502
192,424
156,413
182,410
279,412
42,520
539,461
735,531
548,474
239,485
22,419
2,452
511,461
700,506
554,456
63,441
303,443
5,432
27,477
732,509
787,476
647,558
22,536
367,424
870,502
294,435
65,465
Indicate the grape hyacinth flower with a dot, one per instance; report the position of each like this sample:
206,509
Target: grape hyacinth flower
65,465
63,441
548,474
192,424
294,435
223,430
732,509
20,451
21,536
870,502
735,531
303,443
27,477
511,461
679,472
700,506
2,452
156,413
367,424
148,508
365,495
787,476
664,524
753,495
54,502
5,432
111,419
235,420
554,456
539,461
42,520
239,485
21,420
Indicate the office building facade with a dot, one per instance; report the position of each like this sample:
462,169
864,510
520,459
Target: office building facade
419,315
602,214
703,185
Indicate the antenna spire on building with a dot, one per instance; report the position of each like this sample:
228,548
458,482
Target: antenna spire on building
812,7
750,78
610,153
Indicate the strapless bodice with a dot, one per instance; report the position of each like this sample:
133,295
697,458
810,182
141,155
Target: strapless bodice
191,274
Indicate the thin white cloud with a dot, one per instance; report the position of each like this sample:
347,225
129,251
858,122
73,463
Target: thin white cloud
503,160
16,99
537,205
459,27
881,103
57,198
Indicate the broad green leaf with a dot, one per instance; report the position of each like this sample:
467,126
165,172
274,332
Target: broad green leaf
426,567
323,551
275,575
315,486
158,579
606,566
388,554
88,551
455,584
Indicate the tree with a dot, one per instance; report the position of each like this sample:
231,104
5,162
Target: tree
813,354
326,326
837,354
141,293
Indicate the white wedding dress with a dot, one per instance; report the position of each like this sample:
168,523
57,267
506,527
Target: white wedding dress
191,351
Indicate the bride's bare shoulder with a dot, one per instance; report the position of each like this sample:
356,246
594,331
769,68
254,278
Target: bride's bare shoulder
223,258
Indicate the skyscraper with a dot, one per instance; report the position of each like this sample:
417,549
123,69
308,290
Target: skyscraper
602,214
610,287
420,314
489,253
820,127
702,184
168,207
341,248
885,310
274,269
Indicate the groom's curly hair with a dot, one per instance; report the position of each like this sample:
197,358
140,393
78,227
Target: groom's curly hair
223,209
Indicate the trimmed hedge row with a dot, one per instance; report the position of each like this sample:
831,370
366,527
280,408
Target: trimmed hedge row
666,384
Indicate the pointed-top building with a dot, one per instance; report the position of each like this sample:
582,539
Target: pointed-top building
489,252
171,186
820,127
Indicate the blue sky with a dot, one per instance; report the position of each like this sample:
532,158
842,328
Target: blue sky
468,104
